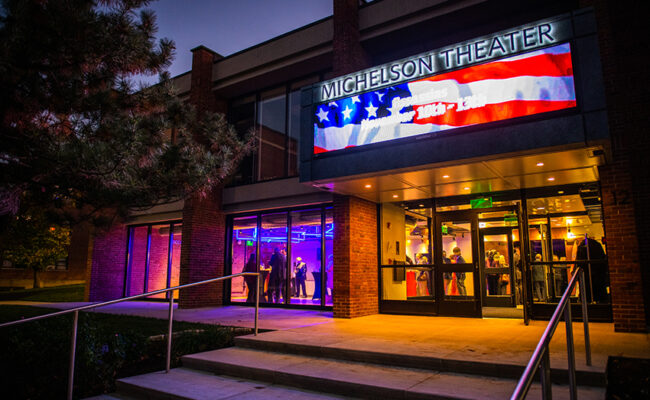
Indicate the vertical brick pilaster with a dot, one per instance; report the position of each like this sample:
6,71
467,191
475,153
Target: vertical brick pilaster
202,249
108,265
204,226
621,33
356,288
348,55
622,247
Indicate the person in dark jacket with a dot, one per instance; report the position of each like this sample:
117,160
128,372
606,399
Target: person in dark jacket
277,276
301,276
251,266
598,281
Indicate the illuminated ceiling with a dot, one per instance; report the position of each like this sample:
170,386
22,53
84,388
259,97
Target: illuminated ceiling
517,172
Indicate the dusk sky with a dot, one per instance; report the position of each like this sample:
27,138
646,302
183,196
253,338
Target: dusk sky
228,26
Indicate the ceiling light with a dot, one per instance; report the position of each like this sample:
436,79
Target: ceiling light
540,164
560,192
445,176
368,186
551,179
421,205
466,188
540,208
395,196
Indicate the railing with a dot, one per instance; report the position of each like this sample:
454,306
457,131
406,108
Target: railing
541,356
73,342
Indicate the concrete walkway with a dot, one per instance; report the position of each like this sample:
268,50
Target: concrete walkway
471,339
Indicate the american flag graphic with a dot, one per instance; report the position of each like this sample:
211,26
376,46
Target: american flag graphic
526,84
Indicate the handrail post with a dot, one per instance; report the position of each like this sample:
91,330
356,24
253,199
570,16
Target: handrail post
169,331
570,349
585,316
545,374
257,300
73,350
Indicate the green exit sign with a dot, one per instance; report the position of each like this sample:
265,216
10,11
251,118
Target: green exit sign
250,243
483,202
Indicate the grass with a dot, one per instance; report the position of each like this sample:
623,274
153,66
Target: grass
35,354
55,294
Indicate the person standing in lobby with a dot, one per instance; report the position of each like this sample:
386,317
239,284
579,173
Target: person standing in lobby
456,258
277,275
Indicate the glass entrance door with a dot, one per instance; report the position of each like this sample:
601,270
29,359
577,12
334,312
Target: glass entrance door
497,267
457,264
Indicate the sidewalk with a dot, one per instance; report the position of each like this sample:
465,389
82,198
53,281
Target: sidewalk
459,338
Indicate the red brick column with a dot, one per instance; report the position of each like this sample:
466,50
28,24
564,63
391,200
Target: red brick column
202,250
356,286
625,189
108,265
626,285
348,55
204,223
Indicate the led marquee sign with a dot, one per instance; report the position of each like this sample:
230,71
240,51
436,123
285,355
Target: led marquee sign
525,84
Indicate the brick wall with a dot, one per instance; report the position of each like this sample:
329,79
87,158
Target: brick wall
625,190
356,286
202,250
107,271
204,223
348,55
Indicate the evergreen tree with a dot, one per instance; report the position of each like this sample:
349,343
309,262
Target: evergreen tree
76,136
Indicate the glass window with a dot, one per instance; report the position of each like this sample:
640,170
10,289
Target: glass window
243,258
563,228
306,257
497,257
329,256
294,133
457,249
152,264
273,256
158,259
175,257
137,260
405,240
241,114
271,119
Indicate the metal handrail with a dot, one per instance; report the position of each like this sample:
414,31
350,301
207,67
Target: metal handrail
541,356
73,342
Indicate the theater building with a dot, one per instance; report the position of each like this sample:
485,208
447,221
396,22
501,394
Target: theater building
453,158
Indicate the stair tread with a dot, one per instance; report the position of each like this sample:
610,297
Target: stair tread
415,351
198,385
282,367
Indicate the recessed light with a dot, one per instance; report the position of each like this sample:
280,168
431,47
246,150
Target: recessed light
466,188
540,208
551,179
395,196
540,164
560,192
368,186
421,205
445,176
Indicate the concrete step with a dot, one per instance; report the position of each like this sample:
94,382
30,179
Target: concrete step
362,380
182,383
495,368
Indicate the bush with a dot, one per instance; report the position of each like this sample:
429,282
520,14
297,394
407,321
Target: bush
35,355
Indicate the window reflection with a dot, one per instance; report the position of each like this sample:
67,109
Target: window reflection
305,256
152,264
271,120
244,258
457,249
273,257
561,229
